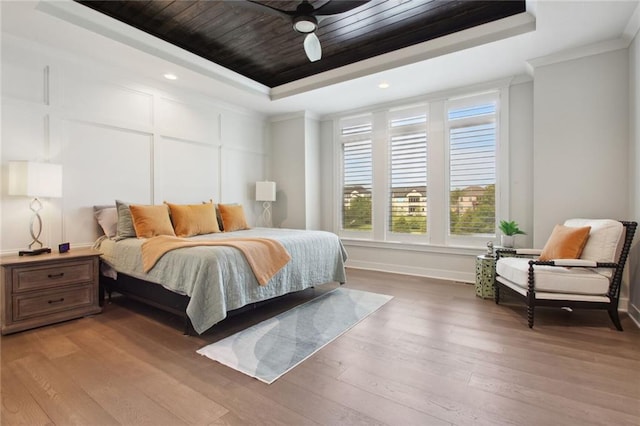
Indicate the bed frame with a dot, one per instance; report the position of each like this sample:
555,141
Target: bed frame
148,293
157,296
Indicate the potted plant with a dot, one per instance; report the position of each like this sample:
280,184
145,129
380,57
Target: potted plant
509,229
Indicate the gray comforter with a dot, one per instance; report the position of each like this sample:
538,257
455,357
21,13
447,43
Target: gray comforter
219,279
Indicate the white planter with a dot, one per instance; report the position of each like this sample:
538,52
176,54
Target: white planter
506,241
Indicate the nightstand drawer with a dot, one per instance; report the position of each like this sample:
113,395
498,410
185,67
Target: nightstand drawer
67,273
43,303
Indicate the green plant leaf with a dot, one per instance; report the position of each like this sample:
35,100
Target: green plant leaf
510,227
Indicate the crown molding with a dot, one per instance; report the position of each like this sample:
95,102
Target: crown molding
94,21
577,53
472,37
633,26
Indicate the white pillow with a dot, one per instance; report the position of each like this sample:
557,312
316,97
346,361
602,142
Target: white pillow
604,243
605,237
107,217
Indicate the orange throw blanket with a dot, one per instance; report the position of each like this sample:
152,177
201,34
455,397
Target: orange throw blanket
265,256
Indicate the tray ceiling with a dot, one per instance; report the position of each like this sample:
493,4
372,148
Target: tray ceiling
265,48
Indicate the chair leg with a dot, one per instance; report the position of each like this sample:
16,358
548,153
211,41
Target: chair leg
530,315
613,314
496,294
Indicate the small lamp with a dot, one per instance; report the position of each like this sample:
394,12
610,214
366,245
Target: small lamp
266,192
31,179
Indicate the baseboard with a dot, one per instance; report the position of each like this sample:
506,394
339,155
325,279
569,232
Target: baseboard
634,313
466,277
622,304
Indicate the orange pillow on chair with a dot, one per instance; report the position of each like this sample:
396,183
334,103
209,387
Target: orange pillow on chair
565,242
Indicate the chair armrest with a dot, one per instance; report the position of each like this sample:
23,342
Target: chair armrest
575,262
529,251
512,252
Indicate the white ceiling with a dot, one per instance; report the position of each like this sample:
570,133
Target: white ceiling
560,26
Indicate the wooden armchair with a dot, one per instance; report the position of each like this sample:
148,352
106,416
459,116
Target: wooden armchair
590,281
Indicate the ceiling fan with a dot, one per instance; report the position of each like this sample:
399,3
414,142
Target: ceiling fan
306,18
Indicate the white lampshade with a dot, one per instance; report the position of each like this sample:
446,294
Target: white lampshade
33,179
265,191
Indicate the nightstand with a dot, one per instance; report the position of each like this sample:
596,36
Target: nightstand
48,288
485,275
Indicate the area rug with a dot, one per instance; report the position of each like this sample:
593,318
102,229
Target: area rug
269,349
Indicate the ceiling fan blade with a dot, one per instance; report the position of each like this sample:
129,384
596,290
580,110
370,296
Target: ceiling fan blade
334,7
312,47
263,8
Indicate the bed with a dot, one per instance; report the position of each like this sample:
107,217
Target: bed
205,283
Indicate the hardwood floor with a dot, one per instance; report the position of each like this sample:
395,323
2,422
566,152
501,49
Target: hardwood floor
434,355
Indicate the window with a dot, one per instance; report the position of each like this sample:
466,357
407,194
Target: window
408,171
472,168
357,169
425,174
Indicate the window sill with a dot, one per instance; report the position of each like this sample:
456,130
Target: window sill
420,247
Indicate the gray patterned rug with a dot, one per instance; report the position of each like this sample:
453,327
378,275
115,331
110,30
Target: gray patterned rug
271,348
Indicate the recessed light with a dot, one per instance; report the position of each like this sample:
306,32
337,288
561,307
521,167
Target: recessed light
384,85
170,76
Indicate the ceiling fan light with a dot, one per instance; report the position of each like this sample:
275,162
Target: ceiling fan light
305,24
312,47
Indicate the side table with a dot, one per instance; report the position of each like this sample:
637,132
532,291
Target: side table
48,288
485,276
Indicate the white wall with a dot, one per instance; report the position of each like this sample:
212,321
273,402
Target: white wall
520,164
328,176
581,163
634,176
288,171
117,137
581,125
295,167
313,176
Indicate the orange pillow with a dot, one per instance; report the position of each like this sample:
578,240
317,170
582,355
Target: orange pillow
193,219
565,242
232,217
149,221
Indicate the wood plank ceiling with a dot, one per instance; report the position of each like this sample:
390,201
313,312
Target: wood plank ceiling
265,48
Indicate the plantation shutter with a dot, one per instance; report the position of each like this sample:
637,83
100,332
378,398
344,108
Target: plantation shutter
357,176
472,169
408,171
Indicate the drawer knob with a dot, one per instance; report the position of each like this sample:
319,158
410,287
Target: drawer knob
57,300
53,276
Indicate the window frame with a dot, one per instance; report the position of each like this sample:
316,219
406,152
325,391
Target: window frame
341,124
392,114
438,180
462,102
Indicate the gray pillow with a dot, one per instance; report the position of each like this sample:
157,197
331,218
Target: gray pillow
219,218
125,227
107,217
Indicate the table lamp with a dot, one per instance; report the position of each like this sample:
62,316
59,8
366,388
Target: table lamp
33,179
266,192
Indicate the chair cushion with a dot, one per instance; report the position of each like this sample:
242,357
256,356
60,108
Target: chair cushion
565,242
605,239
553,279
556,296
605,242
